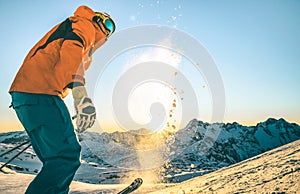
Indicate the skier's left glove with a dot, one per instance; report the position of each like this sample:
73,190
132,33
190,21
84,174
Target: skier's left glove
85,109
86,114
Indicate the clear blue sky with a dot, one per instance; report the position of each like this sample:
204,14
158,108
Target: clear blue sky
255,44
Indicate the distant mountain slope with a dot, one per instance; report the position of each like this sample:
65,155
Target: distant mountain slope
233,144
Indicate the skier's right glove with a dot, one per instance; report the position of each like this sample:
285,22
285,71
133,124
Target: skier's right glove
86,114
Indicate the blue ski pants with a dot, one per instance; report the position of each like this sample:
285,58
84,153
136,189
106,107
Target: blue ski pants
48,124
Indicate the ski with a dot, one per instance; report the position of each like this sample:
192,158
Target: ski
132,187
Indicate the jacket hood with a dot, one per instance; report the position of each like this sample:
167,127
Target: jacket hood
84,11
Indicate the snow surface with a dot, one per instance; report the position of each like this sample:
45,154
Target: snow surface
276,171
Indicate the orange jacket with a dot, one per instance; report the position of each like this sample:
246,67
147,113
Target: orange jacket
57,60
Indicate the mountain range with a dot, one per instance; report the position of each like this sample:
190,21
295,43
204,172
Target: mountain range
171,157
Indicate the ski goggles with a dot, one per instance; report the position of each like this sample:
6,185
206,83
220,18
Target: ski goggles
106,21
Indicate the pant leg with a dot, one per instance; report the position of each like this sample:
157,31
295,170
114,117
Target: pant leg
49,126
61,160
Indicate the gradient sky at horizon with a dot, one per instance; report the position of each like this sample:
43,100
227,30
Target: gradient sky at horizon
255,45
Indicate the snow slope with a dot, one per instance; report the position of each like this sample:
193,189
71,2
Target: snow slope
276,171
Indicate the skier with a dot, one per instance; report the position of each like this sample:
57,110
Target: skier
55,65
